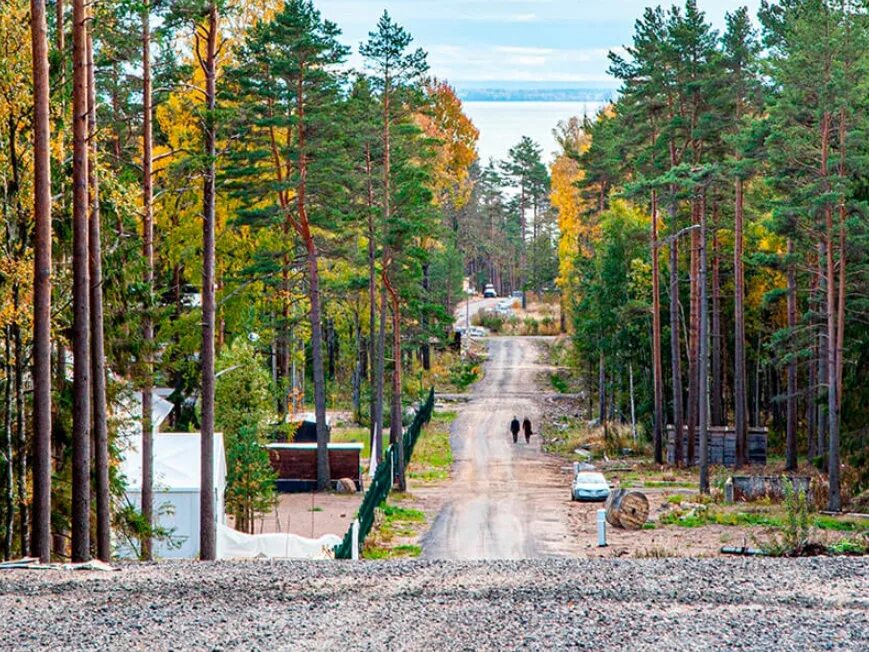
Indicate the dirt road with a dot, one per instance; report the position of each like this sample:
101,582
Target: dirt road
505,500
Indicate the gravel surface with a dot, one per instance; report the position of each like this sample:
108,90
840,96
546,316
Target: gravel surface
673,604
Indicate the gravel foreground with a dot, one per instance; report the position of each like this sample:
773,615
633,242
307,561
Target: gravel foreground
674,604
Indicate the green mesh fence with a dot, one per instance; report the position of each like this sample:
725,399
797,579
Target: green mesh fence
381,483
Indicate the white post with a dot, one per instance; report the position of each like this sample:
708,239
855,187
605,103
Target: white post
601,528
354,537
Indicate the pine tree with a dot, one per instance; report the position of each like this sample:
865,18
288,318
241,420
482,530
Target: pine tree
41,541
97,333
740,51
148,255
290,68
397,75
81,293
641,116
523,168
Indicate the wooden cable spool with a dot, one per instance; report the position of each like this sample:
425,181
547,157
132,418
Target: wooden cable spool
627,509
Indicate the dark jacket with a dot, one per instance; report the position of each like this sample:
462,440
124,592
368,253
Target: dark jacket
526,426
514,426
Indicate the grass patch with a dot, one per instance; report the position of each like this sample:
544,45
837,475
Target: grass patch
315,509
655,484
699,517
357,435
433,456
559,384
850,547
393,513
397,552
824,522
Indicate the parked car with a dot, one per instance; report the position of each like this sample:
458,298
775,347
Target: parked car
478,331
590,486
489,291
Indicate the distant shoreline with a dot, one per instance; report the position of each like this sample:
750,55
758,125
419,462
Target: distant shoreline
536,95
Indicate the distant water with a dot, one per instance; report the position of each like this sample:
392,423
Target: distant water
502,124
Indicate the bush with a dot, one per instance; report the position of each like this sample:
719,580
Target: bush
250,479
464,373
493,322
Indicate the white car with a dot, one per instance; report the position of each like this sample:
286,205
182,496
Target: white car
489,291
478,331
591,486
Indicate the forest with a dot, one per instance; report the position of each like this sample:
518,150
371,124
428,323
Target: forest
205,197
713,234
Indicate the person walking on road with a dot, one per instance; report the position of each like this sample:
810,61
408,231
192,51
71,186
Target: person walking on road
514,428
526,426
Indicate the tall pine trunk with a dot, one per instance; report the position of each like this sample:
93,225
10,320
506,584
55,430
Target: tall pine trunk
380,371
675,353
148,255
81,408
703,352
823,354
657,358
373,429
601,390
693,346
740,393
395,431
207,528
20,434
40,545
323,473
717,390
835,501
98,355
791,439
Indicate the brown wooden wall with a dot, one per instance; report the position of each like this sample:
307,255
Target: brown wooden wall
299,465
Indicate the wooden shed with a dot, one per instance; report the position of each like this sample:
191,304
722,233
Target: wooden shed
722,445
296,464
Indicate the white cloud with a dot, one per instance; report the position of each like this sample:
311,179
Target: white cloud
515,63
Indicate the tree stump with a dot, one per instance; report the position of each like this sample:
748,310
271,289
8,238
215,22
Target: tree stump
627,509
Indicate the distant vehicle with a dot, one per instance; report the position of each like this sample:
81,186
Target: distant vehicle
590,486
489,291
478,331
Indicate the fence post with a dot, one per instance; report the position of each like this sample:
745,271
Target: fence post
354,539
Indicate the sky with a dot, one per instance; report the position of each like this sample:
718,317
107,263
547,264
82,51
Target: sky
473,42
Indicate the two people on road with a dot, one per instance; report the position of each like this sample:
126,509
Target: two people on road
526,427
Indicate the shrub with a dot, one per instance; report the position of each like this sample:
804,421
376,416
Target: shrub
493,322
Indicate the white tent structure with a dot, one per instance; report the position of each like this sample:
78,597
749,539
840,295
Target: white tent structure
176,489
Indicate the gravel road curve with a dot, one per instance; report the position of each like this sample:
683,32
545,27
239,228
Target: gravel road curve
673,604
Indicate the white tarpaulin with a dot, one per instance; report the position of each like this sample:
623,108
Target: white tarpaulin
176,488
232,544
